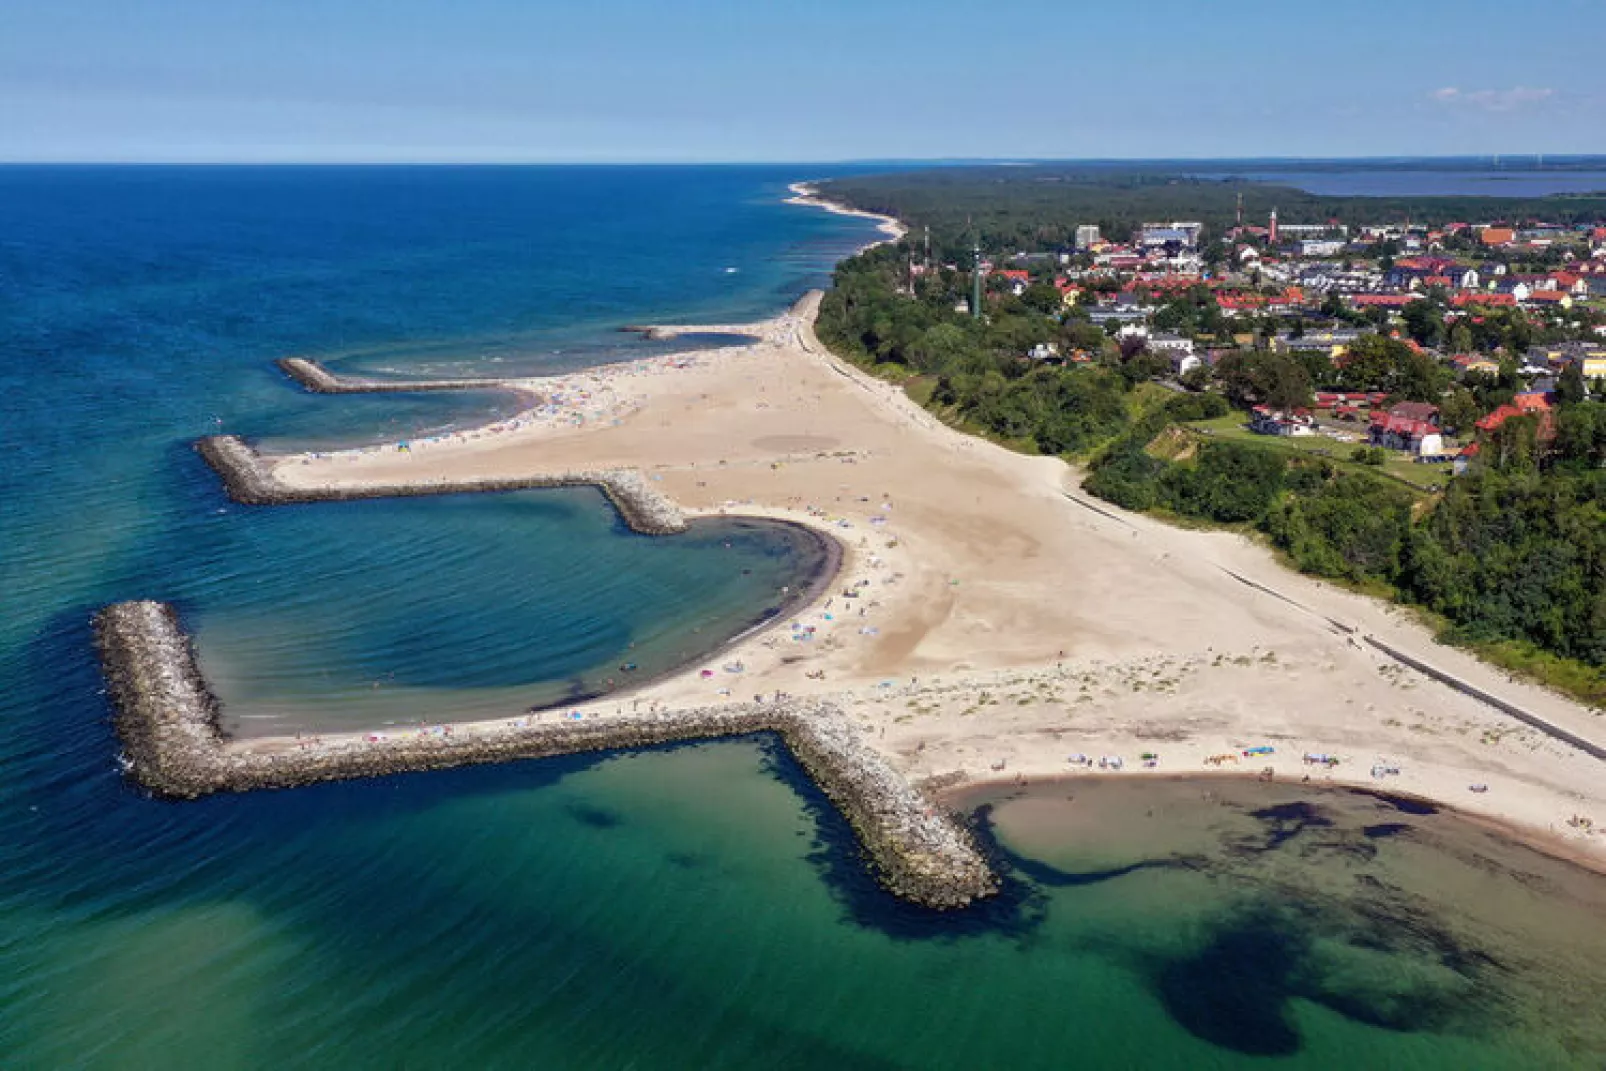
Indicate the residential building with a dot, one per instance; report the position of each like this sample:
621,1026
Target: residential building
1391,302
1531,404
1321,247
1551,298
1121,314
1176,348
1409,426
1466,363
1265,421
1556,356
1177,234
1332,341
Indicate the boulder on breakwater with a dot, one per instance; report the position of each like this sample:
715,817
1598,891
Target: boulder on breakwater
251,482
167,719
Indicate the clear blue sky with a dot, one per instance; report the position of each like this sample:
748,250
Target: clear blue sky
694,80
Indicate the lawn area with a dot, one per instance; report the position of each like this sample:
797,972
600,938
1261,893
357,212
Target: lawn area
1400,466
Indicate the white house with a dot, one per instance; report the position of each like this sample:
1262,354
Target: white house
1165,342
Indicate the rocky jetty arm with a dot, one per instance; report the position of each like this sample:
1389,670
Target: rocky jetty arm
168,722
165,714
319,380
250,481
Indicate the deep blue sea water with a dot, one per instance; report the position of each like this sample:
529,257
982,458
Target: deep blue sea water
692,907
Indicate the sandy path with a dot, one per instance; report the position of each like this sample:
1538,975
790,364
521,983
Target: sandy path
977,572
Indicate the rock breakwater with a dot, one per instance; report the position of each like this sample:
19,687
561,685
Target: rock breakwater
248,479
168,721
319,380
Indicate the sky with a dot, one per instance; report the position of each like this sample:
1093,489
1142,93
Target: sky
827,80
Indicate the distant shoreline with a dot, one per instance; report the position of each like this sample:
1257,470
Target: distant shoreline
807,195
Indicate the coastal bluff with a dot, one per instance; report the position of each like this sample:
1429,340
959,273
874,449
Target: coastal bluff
168,721
250,481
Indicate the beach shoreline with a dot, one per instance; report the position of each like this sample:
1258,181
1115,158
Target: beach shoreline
982,625
970,796
807,195
704,481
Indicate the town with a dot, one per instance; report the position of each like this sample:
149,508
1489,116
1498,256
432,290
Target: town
1494,315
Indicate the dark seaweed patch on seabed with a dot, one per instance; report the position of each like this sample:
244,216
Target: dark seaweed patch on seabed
1403,804
1234,991
593,816
1280,823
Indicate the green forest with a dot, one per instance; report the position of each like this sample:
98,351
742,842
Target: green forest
1039,206
1511,556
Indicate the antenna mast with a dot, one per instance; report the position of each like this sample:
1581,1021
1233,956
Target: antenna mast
975,278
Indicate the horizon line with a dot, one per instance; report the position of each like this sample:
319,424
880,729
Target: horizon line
1513,160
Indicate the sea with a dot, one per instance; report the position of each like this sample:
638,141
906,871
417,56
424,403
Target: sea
1523,176
697,906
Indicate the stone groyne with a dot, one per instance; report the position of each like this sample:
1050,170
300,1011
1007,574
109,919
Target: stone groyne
168,721
166,716
249,480
318,379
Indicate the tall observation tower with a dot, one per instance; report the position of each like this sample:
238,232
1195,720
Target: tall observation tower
975,279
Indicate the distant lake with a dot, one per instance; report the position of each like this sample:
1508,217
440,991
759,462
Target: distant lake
1388,183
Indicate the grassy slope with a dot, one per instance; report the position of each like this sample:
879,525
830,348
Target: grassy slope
1419,478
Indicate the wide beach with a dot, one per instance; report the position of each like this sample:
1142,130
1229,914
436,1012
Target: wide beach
989,621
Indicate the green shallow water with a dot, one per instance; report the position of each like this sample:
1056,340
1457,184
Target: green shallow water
699,907
476,606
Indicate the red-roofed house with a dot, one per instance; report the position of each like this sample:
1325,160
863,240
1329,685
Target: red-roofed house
1553,298
1575,283
1412,426
1070,293
1474,362
1488,301
1233,304
1532,404
1291,298
1382,301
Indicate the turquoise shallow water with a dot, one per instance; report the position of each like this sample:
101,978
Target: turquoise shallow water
694,907
470,606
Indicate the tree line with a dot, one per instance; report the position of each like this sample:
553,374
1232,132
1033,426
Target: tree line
1513,552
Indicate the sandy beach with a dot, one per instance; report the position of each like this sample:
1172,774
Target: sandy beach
808,196
992,622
